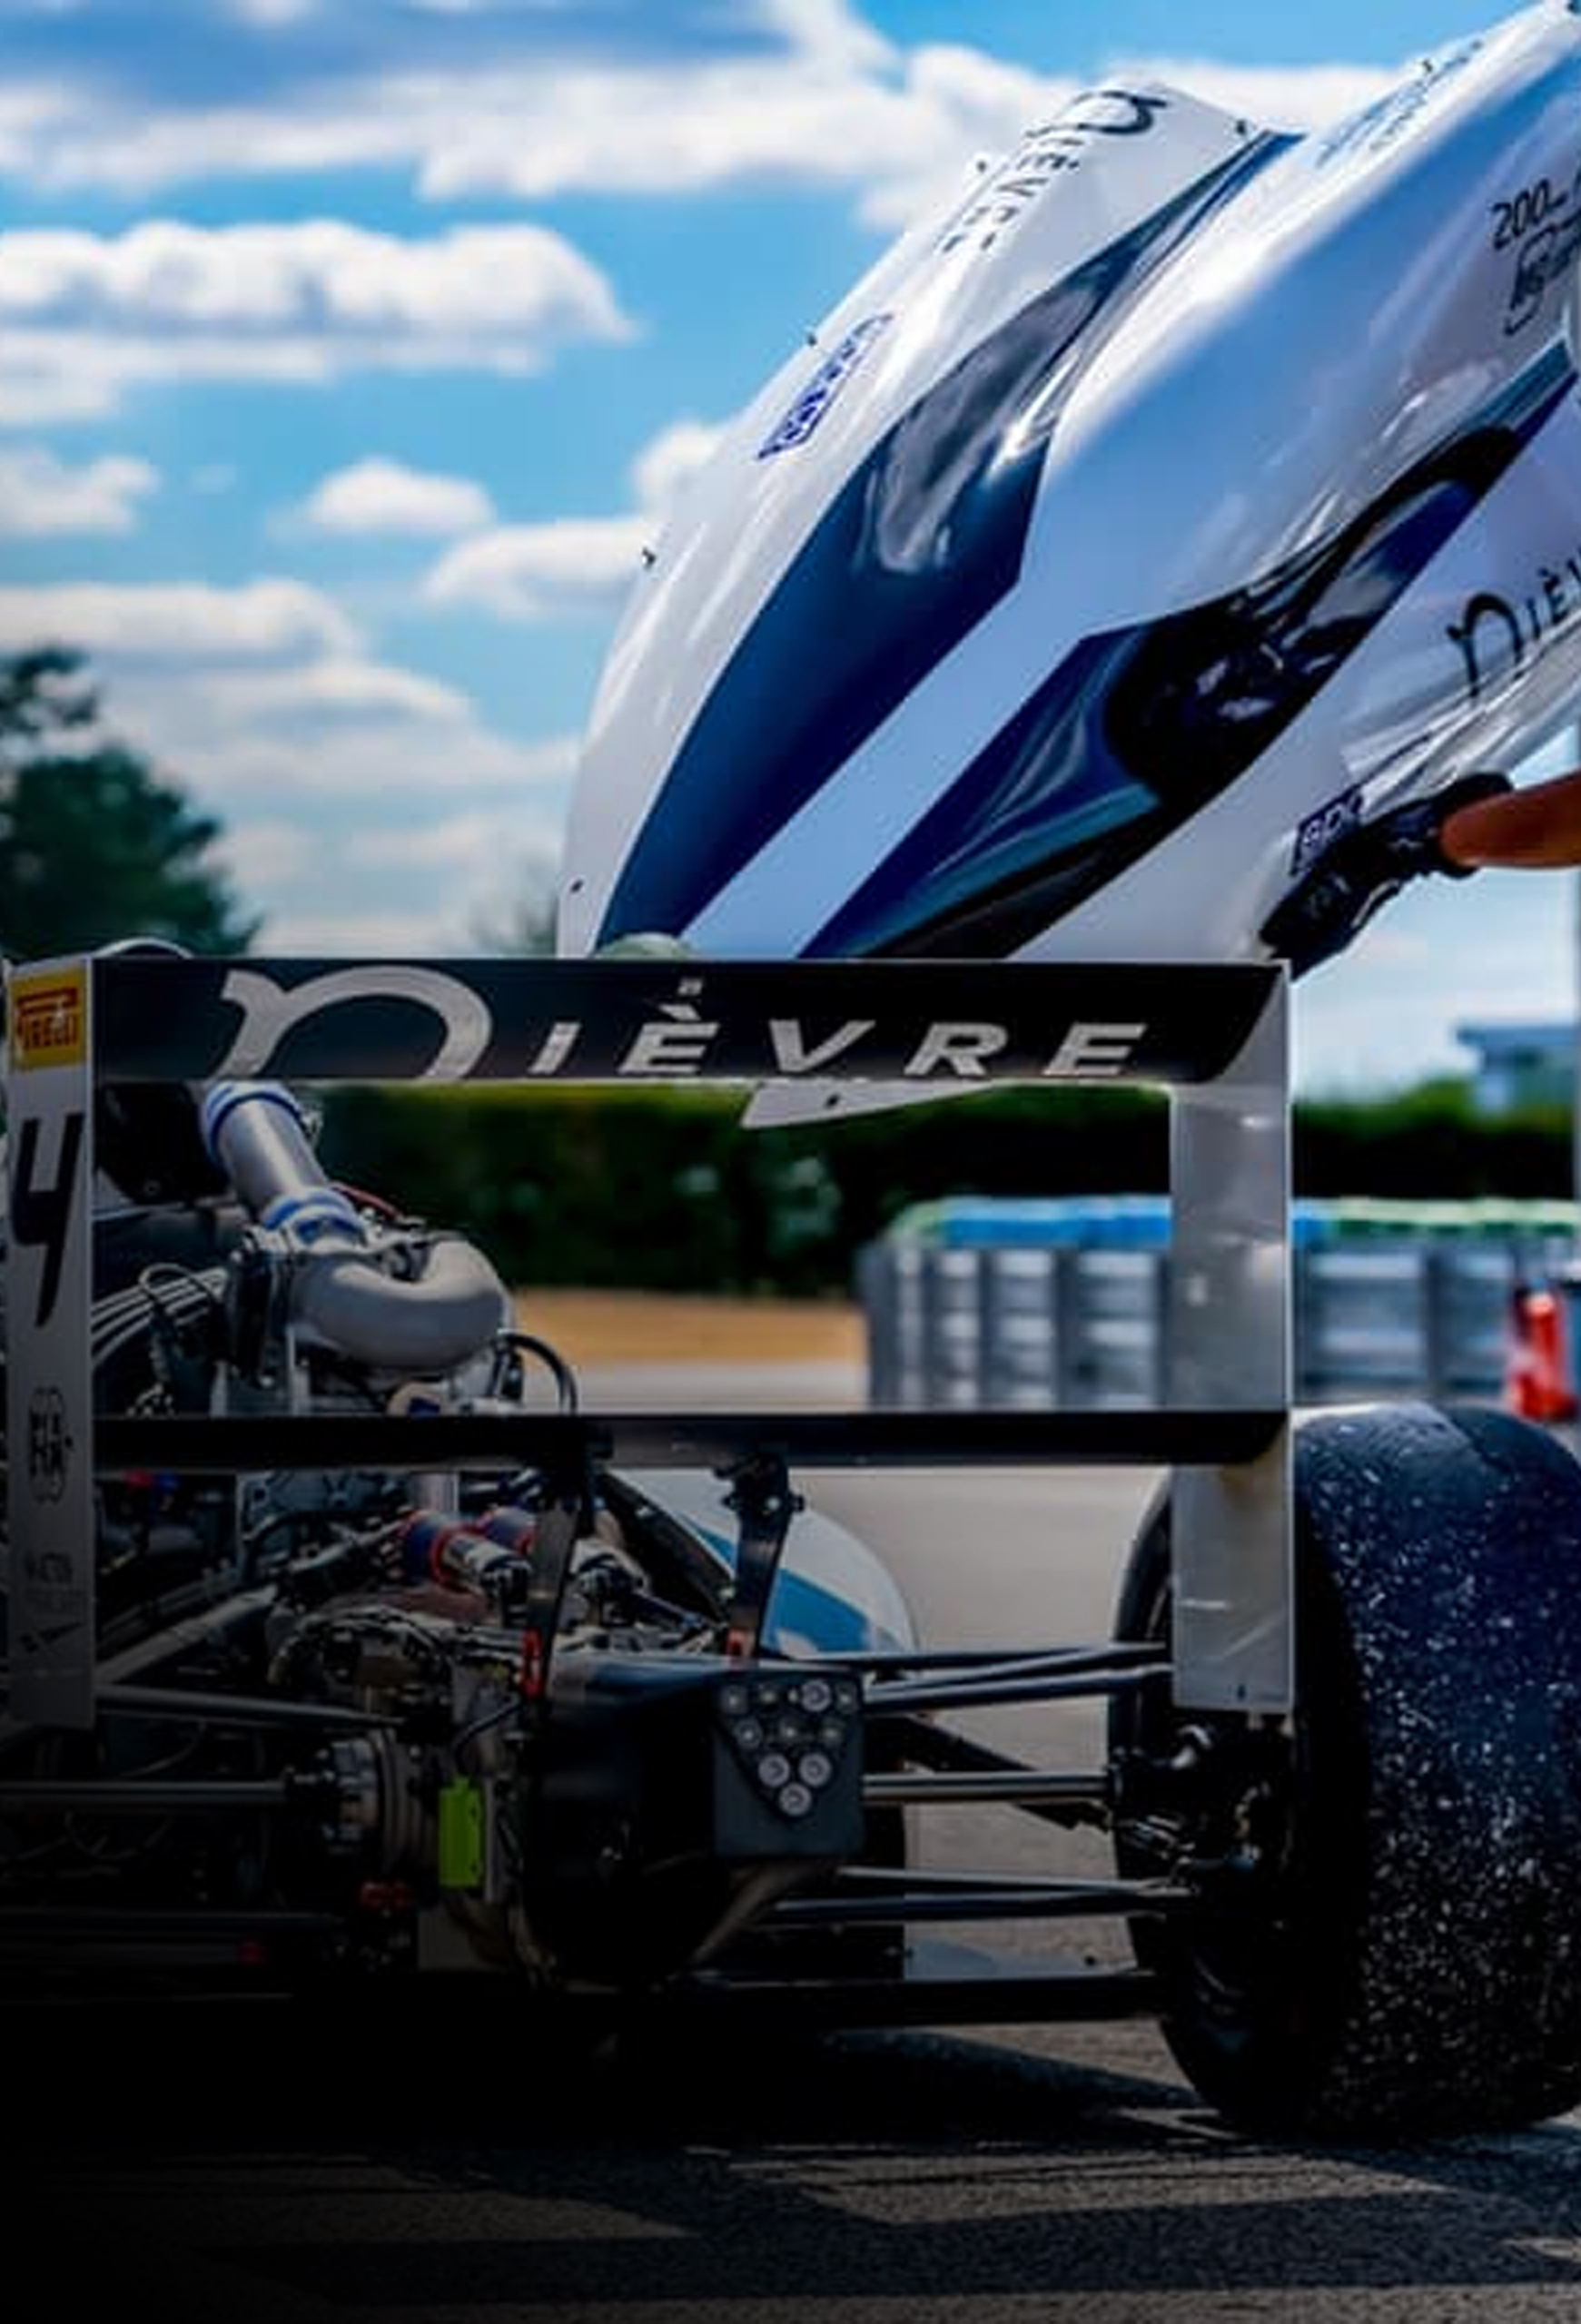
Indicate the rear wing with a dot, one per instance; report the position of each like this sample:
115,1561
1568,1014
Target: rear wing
1215,1036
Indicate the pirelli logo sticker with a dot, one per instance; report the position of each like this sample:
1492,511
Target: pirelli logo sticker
48,1018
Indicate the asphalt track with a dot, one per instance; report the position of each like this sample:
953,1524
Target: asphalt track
241,2168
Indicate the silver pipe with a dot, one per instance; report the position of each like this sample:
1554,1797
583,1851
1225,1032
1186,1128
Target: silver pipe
257,1133
431,1322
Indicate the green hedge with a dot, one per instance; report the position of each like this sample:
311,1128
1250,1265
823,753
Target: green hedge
1431,1142
662,1189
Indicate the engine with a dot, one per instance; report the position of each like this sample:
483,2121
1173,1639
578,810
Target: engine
391,1717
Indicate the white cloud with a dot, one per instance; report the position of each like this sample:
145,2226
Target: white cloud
368,768
479,867
430,886
188,623
521,114
325,728
1306,96
42,494
317,926
268,855
265,692
315,273
696,128
377,496
495,865
40,387
576,566
335,776
31,117
674,455
827,30
469,848
572,566
319,697
823,102
85,317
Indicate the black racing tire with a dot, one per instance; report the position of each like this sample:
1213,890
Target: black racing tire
1399,1951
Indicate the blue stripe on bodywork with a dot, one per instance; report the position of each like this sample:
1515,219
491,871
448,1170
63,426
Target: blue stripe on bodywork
1137,729
805,1612
809,1612
920,542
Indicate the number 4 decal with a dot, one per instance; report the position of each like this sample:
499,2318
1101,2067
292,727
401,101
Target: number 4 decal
41,1214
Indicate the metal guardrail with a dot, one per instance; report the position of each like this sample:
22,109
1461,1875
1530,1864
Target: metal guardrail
1078,1328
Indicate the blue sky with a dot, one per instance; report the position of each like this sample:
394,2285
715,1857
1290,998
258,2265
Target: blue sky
350,348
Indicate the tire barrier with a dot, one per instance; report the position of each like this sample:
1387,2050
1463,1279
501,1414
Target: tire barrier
1085,1326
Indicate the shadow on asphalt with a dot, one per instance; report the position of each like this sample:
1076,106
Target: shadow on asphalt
263,2168
367,2068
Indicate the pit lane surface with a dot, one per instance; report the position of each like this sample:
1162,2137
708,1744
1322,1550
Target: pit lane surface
237,2167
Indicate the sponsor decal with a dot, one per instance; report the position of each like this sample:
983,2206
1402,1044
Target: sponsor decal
48,1018
49,1444
1545,262
1540,225
1323,826
676,1041
1500,637
1392,116
57,1602
1045,154
268,1014
677,1046
43,1197
811,407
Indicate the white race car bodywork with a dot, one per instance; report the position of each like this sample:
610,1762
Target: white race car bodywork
1183,499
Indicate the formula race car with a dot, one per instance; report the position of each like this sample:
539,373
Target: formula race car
1074,644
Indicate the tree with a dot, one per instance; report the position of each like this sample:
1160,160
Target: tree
95,845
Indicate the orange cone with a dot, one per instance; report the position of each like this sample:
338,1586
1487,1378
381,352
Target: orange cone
1539,1382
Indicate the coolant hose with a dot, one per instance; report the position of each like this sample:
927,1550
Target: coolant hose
257,1134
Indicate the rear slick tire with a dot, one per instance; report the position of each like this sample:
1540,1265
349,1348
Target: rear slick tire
1397,1951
